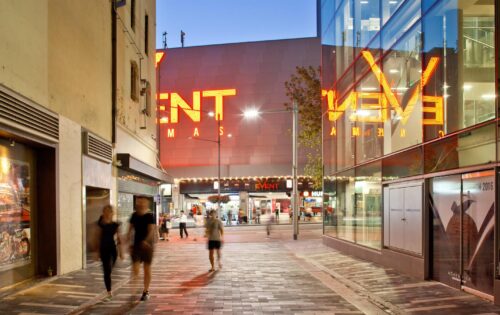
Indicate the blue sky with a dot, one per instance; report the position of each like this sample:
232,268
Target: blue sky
207,22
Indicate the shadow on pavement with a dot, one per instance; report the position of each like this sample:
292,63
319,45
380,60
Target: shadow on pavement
201,280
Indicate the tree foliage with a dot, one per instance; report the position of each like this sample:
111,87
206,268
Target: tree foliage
304,86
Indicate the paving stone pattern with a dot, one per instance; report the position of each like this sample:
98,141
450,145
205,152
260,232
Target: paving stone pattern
260,275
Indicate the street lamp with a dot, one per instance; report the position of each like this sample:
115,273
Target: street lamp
254,113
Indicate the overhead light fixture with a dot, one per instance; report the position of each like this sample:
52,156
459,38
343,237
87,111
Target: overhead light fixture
393,71
467,87
211,114
369,88
488,97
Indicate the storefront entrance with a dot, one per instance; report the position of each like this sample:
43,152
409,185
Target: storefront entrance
462,235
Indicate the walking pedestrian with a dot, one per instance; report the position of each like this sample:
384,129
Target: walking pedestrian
183,224
108,251
214,232
142,223
164,227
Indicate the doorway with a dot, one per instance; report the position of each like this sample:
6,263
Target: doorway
95,200
462,240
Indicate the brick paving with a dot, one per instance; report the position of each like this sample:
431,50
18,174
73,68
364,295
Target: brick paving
260,275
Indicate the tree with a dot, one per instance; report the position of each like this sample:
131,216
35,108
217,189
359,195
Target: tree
304,86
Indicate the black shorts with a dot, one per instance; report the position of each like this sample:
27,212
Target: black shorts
214,244
141,254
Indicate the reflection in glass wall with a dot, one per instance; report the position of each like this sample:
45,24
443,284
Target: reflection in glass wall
368,205
344,36
329,206
461,36
345,212
402,68
400,74
367,22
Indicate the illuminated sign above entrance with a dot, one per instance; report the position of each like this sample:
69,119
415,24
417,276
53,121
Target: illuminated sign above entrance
373,107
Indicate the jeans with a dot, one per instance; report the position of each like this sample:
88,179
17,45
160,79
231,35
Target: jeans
182,228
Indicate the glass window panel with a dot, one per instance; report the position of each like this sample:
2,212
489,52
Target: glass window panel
346,134
460,36
400,23
404,164
327,13
367,22
329,206
402,68
368,205
369,116
344,126
329,145
471,147
389,7
344,213
344,36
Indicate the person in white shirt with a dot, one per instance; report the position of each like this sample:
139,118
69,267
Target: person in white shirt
183,224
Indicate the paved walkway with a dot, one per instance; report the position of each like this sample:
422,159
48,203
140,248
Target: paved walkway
260,276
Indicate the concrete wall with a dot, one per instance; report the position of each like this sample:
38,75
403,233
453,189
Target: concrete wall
69,196
24,49
58,54
257,71
79,62
136,132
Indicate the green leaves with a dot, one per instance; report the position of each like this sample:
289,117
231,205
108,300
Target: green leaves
304,86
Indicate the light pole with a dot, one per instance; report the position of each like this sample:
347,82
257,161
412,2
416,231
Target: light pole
253,113
295,200
218,159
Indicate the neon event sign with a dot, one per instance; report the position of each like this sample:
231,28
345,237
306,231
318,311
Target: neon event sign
379,102
194,111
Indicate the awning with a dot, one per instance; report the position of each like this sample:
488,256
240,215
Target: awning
129,163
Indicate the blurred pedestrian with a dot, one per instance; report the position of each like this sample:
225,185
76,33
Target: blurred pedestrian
142,224
214,232
269,223
183,224
108,231
164,229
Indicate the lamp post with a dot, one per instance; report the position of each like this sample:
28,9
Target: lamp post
218,159
253,113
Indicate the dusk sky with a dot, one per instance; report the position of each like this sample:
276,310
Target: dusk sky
208,22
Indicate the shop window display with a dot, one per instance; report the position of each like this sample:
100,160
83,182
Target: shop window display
16,228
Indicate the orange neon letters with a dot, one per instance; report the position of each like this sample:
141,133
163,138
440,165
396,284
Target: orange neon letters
177,101
219,103
386,99
194,111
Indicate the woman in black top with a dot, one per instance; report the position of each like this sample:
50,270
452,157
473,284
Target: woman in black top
108,250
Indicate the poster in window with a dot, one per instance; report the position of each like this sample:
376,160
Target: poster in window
15,214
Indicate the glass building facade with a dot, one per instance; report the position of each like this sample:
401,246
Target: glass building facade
410,97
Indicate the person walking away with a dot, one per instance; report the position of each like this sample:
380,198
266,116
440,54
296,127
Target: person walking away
183,224
142,224
214,232
108,252
277,214
229,217
270,222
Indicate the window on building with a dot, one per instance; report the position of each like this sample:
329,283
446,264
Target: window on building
461,36
132,14
134,81
146,33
